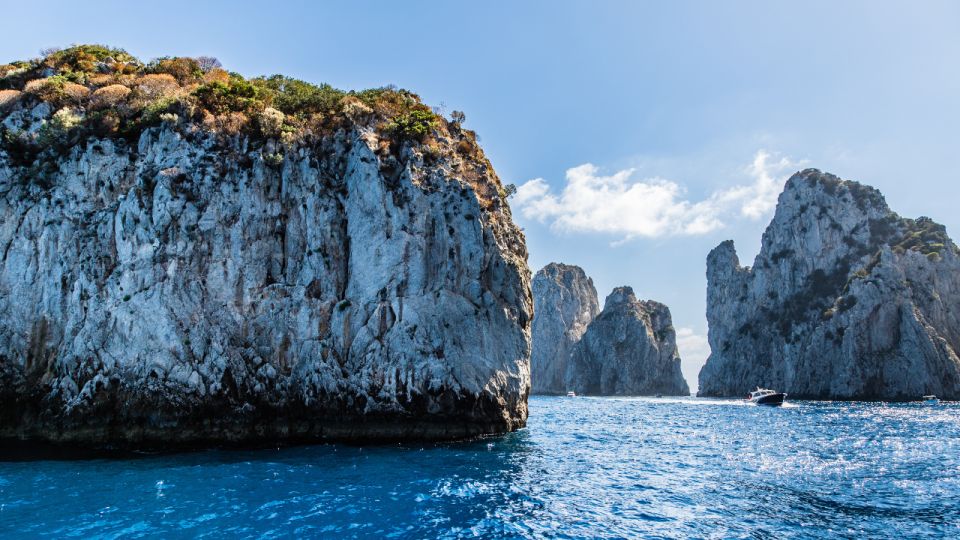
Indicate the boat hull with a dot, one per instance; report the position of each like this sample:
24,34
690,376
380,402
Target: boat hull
772,400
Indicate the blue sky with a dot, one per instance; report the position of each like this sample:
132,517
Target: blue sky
656,130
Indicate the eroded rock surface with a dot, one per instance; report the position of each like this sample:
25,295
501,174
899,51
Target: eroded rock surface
846,300
629,349
565,302
186,289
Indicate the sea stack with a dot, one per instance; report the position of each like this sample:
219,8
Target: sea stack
565,302
628,350
194,258
846,300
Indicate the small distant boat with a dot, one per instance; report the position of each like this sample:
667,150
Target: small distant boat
659,395
765,396
931,400
571,394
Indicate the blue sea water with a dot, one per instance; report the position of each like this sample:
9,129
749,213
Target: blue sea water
583,468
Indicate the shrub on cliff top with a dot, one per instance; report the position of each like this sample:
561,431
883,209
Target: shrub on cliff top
12,68
923,235
59,127
184,70
270,121
113,93
8,97
157,85
109,96
414,124
296,97
47,89
237,95
80,59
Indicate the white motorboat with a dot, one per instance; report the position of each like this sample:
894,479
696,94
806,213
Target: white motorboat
931,400
571,394
765,396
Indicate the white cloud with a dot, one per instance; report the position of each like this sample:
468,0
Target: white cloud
616,204
758,199
694,350
692,346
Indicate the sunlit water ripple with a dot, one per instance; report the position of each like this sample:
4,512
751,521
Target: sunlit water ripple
584,468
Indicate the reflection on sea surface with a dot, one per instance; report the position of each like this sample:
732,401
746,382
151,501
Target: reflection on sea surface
585,467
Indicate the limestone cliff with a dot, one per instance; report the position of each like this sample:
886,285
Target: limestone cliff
565,302
846,300
629,349
231,270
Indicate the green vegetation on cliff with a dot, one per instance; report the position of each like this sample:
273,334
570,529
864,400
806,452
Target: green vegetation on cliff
103,91
95,91
111,92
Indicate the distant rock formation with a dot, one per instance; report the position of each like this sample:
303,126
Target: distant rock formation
629,349
846,300
565,302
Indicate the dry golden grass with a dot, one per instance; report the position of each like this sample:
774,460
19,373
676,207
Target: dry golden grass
209,121
5,69
8,97
232,123
101,79
216,75
465,147
185,70
158,85
45,89
134,94
356,110
109,96
35,86
76,92
128,80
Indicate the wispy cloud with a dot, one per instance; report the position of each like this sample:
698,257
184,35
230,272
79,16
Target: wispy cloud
694,350
619,205
693,347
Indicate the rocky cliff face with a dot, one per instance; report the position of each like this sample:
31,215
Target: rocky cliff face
629,349
846,300
565,302
196,287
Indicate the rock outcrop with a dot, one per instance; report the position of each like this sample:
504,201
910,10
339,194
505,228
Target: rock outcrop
565,302
628,350
846,300
187,284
